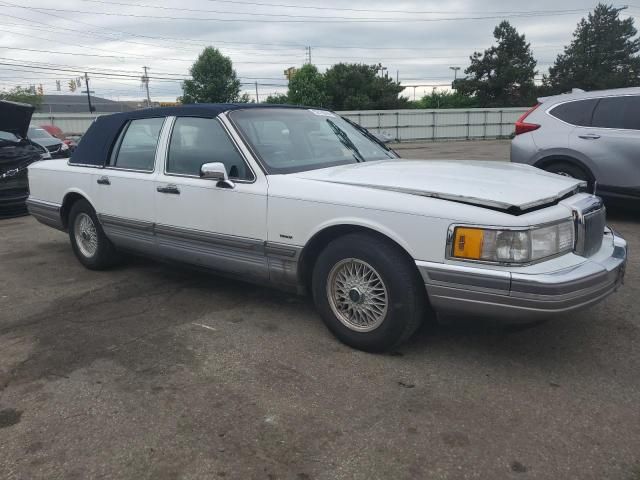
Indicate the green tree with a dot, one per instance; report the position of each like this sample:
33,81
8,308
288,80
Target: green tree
307,87
446,100
602,54
503,75
358,86
213,80
22,95
277,99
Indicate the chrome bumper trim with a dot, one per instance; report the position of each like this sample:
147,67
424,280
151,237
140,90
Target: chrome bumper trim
47,213
455,289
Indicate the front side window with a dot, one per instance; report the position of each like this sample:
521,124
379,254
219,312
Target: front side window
576,113
618,112
196,141
296,139
136,146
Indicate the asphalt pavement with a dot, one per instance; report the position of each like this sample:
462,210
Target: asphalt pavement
149,371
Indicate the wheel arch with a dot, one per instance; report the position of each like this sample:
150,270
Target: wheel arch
69,199
572,160
327,233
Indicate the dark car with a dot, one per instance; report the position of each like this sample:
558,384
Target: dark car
56,147
57,132
17,152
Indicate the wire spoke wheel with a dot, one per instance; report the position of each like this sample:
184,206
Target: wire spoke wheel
357,295
86,235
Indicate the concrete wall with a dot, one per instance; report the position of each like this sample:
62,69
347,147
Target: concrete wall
403,125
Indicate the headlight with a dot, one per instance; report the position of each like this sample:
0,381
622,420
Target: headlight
64,147
512,246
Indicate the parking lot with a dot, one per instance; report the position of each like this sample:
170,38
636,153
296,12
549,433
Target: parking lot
153,371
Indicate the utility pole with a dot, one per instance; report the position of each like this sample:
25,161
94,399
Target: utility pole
88,92
308,53
257,99
145,81
397,76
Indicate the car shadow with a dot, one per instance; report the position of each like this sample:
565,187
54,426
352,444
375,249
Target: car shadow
623,212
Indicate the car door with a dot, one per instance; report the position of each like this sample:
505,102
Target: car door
612,142
220,225
125,190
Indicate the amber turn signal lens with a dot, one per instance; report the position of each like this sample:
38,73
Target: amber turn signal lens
467,243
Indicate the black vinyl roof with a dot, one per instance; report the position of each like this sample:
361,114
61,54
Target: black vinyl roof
94,149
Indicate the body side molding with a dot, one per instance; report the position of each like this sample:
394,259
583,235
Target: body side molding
47,213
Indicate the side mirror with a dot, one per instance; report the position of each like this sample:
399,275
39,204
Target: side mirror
214,171
217,172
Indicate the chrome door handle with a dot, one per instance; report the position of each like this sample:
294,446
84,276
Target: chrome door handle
589,136
104,181
169,189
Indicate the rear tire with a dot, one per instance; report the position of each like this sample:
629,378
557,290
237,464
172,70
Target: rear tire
569,170
368,292
90,245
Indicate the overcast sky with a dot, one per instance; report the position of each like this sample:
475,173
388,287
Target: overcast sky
113,40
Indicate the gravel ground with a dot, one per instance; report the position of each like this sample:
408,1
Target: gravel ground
152,371
456,150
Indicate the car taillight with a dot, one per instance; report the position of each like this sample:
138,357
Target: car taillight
524,127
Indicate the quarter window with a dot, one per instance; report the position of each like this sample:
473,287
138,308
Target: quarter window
196,141
618,112
136,146
576,113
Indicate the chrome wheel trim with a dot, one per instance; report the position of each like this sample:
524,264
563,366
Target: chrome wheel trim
86,235
357,295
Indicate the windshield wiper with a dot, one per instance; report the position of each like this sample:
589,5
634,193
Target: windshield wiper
346,141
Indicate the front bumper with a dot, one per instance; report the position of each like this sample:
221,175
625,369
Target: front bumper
515,296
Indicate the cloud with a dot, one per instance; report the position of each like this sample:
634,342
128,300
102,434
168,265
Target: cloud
421,52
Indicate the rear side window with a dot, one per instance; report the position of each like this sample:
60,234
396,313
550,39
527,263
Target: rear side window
576,113
136,145
618,112
196,141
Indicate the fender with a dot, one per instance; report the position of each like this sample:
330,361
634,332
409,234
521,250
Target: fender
571,157
72,195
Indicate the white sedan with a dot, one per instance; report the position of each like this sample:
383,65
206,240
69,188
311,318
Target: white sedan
305,200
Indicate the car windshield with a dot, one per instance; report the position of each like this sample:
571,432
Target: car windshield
295,140
38,133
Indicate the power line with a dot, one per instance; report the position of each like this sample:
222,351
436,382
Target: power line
309,20
449,12
207,42
286,15
98,74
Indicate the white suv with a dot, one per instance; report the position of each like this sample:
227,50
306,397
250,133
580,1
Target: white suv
593,136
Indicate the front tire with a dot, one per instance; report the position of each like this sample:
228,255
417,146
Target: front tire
569,170
91,246
368,292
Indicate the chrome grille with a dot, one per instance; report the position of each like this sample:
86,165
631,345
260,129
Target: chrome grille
590,225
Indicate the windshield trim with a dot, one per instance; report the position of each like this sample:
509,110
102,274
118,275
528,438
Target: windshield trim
264,166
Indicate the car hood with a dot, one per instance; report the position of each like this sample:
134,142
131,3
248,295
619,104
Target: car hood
501,185
15,117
